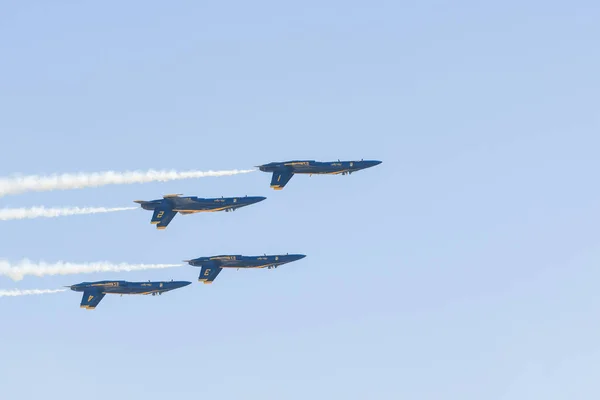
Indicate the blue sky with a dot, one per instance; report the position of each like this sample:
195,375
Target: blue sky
464,266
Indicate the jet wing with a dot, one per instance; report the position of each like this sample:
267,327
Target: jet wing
162,217
209,274
91,298
281,178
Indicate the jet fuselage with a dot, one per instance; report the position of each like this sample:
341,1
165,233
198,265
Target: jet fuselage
238,261
318,167
284,171
94,292
124,287
165,209
212,266
193,204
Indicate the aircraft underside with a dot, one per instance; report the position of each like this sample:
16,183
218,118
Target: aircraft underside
280,178
251,266
336,172
136,292
183,212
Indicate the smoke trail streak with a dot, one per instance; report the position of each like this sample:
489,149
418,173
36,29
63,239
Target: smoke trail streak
42,183
17,292
25,267
7,214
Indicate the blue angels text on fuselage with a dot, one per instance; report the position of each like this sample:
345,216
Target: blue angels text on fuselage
284,171
212,266
94,292
166,208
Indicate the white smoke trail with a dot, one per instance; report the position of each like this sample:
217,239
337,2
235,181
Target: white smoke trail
17,292
41,183
7,214
25,267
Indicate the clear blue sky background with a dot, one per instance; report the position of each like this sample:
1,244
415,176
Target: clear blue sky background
465,266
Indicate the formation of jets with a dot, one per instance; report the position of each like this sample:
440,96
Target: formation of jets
165,209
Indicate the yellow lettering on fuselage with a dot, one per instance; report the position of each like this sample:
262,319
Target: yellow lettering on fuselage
298,163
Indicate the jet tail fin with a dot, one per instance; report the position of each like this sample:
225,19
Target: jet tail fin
280,178
91,299
162,217
209,273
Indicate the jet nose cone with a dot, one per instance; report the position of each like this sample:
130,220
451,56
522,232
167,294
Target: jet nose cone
296,257
372,163
256,199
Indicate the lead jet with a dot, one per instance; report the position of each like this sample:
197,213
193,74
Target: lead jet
284,171
212,266
166,208
94,292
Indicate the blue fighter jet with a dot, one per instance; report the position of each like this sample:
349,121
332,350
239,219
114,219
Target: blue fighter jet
212,266
283,171
94,292
171,204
